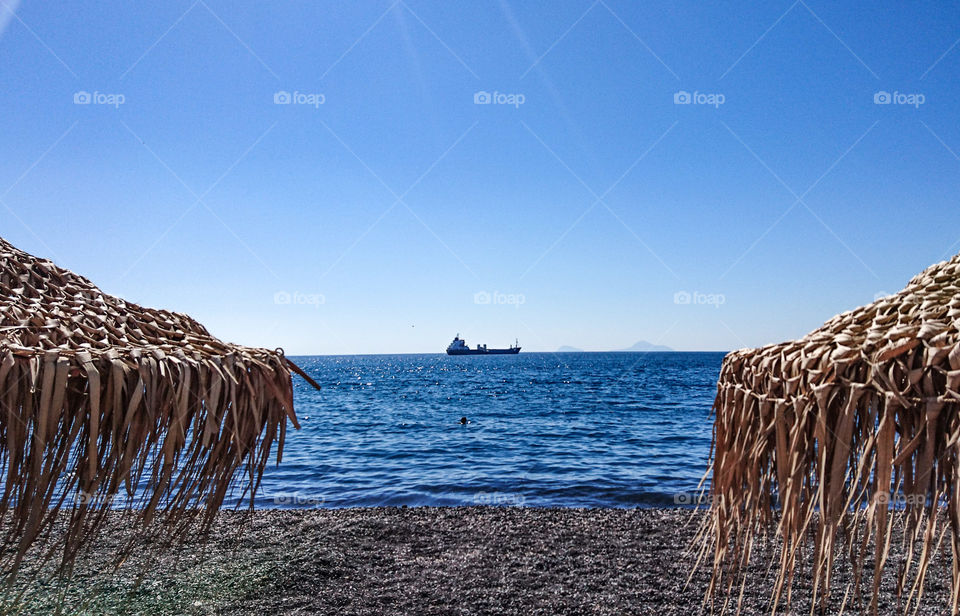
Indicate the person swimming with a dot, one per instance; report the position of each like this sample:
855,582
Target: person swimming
464,421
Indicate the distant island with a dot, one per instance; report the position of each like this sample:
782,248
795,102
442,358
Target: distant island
641,347
644,346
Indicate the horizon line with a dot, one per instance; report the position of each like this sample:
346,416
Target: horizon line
526,353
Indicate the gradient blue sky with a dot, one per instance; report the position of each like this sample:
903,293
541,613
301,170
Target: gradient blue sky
384,210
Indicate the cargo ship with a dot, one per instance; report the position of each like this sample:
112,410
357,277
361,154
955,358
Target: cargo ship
459,347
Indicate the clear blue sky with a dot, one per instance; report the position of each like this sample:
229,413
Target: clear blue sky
381,209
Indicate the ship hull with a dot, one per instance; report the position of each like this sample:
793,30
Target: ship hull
511,351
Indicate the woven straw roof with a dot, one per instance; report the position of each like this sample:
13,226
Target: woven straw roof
820,436
101,398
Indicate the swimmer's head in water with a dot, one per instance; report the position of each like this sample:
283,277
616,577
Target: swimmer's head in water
463,420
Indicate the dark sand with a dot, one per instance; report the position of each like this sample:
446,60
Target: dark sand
469,560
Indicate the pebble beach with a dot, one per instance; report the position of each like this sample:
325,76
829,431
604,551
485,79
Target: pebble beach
421,560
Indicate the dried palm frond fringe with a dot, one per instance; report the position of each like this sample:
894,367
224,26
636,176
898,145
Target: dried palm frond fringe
103,399
831,438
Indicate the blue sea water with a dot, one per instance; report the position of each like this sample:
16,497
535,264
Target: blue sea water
545,429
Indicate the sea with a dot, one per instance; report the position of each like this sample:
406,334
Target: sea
534,429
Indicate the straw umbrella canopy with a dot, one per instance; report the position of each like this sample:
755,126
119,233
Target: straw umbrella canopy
102,399
839,436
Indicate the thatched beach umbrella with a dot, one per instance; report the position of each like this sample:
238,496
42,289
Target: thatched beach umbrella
103,399
838,437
